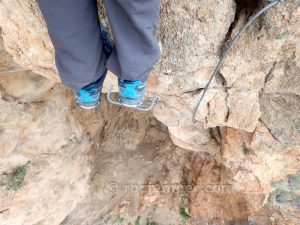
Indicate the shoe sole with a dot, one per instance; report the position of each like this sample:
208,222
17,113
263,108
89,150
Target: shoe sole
88,107
132,105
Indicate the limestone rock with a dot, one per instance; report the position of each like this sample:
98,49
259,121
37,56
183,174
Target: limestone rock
280,102
270,40
60,164
26,89
191,33
34,51
43,139
63,165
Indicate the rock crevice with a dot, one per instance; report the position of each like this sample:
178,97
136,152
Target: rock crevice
238,163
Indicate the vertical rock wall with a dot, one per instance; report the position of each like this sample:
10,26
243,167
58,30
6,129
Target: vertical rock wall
248,124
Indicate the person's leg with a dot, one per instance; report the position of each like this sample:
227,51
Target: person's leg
75,33
134,24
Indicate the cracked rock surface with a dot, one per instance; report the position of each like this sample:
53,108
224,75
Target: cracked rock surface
239,164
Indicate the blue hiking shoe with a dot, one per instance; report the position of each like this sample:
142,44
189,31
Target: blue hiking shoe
89,96
132,93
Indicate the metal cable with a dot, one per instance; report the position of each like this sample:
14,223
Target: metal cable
228,48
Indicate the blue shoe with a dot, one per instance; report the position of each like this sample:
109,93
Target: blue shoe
89,96
132,93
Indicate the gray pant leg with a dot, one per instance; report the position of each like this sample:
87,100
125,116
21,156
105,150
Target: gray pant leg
134,24
75,33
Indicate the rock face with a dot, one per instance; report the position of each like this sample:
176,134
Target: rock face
51,164
63,165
